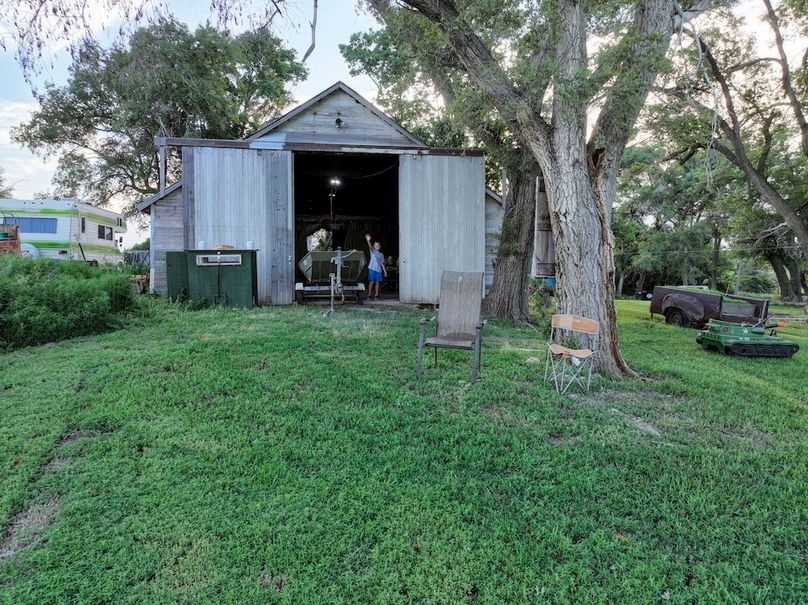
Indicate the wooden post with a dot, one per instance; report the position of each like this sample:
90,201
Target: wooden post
162,166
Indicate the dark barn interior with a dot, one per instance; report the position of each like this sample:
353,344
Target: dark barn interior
347,195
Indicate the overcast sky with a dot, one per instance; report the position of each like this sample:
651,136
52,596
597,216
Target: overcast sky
337,20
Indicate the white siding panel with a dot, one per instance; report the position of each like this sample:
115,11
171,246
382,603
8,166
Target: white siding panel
243,195
442,221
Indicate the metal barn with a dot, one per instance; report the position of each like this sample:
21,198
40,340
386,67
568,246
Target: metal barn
334,163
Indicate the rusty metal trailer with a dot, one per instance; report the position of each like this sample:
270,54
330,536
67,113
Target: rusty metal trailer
694,308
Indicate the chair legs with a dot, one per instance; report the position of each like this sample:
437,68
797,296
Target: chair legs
475,368
564,372
421,339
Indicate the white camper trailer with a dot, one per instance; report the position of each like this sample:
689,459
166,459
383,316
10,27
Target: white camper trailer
65,229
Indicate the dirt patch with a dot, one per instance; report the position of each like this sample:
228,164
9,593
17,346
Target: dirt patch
275,581
752,437
74,435
28,527
57,464
639,423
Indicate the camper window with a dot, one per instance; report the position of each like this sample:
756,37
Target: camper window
33,225
104,232
83,224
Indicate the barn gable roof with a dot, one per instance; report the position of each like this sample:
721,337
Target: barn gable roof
302,124
146,204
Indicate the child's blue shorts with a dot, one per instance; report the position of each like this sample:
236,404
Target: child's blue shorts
374,275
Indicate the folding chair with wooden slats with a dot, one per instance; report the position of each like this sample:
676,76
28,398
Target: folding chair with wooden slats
458,324
565,365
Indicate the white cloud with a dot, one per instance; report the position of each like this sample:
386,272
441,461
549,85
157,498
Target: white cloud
25,172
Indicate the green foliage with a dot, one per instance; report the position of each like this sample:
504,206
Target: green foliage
757,282
43,300
144,245
164,80
271,456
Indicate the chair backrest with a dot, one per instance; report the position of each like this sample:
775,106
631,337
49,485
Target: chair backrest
461,296
573,323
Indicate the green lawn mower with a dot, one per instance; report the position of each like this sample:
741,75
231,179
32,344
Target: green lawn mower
745,340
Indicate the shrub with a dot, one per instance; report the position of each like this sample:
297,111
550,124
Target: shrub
43,300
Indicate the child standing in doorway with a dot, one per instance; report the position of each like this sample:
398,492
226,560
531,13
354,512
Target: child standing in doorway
375,267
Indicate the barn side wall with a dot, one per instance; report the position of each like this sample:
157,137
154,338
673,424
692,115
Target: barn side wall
494,213
166,233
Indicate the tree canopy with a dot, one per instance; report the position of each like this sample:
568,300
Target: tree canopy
165,80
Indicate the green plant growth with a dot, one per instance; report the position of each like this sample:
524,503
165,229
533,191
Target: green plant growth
43,300
270,456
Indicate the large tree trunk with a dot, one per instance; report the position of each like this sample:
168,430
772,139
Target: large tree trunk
783,283
796,283
716,260
508,298
584,246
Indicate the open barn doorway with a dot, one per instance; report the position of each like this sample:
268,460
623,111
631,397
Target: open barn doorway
341,197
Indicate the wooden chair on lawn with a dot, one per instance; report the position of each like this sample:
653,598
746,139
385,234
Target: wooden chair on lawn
566,366
458,324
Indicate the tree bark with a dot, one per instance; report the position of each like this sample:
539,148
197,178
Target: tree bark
508,298
783,282
716,260
794,272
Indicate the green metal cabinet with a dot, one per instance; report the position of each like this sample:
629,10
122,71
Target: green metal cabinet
214,277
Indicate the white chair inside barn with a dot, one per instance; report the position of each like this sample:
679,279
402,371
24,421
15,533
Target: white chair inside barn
458,324
566,366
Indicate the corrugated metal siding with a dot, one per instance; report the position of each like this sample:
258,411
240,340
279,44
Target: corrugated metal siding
317,125
494,212
442,221
167,234
242,195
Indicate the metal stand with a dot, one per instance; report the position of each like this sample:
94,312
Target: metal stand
336,282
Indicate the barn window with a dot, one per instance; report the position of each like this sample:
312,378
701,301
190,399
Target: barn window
33,225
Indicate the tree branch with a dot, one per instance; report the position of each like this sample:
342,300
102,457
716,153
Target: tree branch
313,24
788,86
479,63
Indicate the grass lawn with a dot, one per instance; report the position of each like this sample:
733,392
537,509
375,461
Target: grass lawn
273,456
